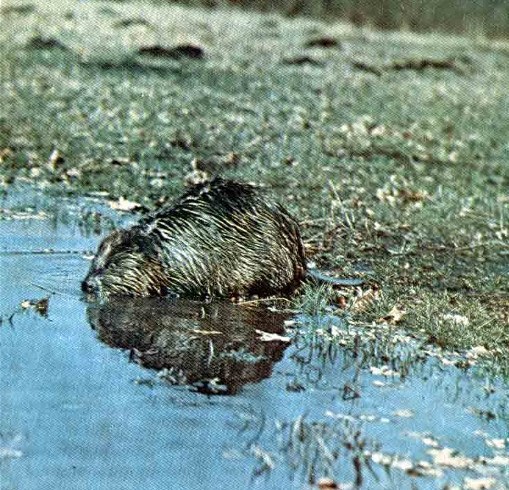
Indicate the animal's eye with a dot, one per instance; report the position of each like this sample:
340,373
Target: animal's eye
105,249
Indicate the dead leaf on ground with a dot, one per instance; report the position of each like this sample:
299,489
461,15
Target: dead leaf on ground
423,63
393,317
74,173
38,42
323,42
409,195
124,205
5,153
177,52
410,64
477,351
361,65
135,21
120,161
55,160
365,299
302,60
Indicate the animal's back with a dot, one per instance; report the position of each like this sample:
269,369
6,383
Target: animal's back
225,238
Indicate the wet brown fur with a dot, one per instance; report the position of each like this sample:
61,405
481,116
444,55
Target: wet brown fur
220,239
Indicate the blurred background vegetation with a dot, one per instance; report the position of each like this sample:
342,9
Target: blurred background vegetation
486,18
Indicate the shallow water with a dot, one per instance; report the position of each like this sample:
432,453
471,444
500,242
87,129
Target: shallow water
105,396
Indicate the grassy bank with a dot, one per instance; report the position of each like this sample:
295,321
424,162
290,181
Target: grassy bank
471,17
391,149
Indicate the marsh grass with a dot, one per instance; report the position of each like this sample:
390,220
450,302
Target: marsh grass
400,179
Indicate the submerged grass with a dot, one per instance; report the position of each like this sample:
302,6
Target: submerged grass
391,149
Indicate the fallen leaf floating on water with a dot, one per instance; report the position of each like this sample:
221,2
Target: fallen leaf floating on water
479,483
498,460
383,371
326,484
124,205
419,468
429,441
41,306
496,443
29,214
6,452
450,458
38,305
404,413
271,337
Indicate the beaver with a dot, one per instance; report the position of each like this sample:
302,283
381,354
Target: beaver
222,238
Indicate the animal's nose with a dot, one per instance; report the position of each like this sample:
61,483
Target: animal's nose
90,286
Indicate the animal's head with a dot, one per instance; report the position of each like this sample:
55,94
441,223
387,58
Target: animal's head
126,264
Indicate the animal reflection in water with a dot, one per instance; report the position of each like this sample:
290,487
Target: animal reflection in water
214,347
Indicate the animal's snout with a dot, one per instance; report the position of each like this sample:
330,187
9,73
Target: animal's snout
90,285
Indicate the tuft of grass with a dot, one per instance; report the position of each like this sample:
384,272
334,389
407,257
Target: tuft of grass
314,301
315,448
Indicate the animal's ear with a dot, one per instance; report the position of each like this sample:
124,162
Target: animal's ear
119,236
142,243
113,240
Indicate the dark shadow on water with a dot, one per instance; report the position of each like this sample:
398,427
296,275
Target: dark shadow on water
213,347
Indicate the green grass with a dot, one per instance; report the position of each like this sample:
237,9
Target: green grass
484,17
402,178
